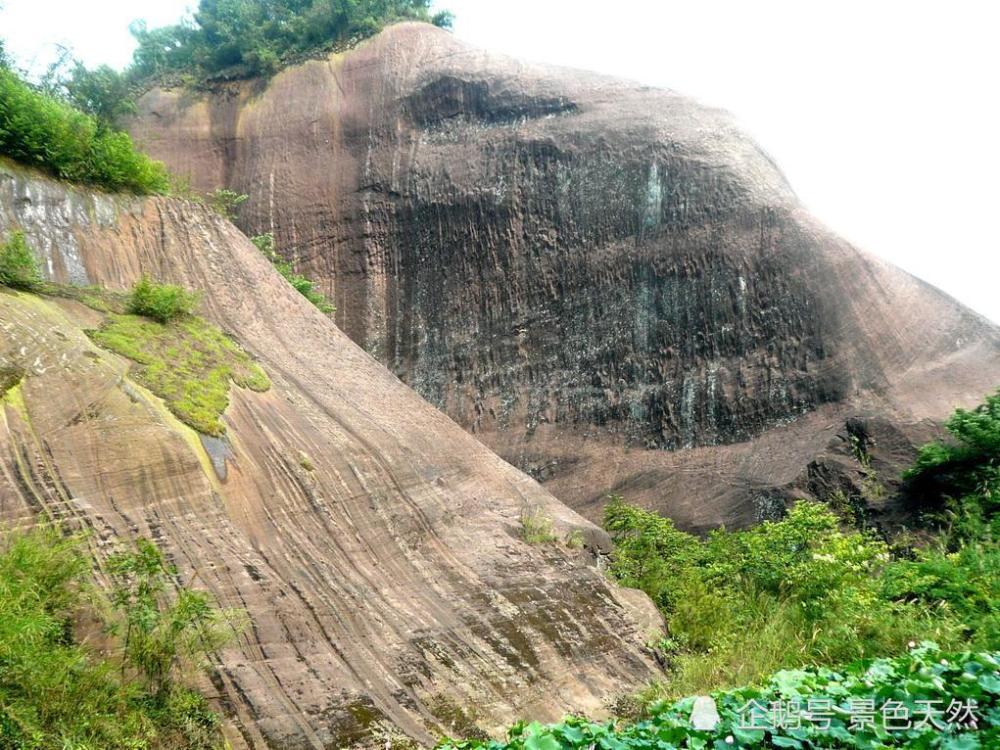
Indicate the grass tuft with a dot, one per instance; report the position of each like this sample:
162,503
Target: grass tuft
536,527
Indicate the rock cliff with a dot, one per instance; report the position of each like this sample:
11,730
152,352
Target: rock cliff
609,284
375,544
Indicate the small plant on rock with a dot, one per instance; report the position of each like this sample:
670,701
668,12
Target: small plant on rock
303,285
19,268
161,302
159,634
536,527
226,203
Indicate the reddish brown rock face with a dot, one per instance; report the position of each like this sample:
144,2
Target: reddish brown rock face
384,577
608,284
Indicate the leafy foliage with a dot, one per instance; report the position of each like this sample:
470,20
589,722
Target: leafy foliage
906,684
230,39
188,362
962,474
19,268
102,92
39,130
56,692
802,590
226,203
304,286
161,302
158,635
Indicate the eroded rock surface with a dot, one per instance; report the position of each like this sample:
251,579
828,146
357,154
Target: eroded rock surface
374,543
609,284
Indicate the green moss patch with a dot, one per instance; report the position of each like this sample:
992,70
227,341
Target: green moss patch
94,297
188,362
9,377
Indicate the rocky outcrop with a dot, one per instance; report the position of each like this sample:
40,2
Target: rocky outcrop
374,544
609,284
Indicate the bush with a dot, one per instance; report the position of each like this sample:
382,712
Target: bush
225,202
304,286
958,480
161,302
18,266
56,692
159,635
804,590
801,590
39,130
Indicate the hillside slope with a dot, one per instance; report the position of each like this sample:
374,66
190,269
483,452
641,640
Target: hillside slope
375,545
609,284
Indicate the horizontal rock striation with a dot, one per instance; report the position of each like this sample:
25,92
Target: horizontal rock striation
609,284
374,544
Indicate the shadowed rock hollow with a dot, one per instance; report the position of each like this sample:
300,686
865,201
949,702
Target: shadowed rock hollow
374,544
609,284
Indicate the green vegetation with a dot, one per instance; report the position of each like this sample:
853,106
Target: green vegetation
962,475
39,130
58,692
19,268
187,362
161,302
536,527
104,93
768,614
233,39
304,286
805,590
741,605
225,202
940,694
10,377
158,636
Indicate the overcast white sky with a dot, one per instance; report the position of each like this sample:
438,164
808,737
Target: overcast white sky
883,114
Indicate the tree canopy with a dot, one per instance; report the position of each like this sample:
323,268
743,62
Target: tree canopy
232,39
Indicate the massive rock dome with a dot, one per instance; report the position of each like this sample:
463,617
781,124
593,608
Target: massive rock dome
608,284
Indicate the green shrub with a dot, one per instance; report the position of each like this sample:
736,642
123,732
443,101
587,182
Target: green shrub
785,593
958,481
649,551
41,131
301,284
56,692
225,202
159,634
161,302
804,590
19,268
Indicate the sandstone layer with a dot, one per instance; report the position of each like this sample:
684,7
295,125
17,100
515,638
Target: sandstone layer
609,284
374,544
